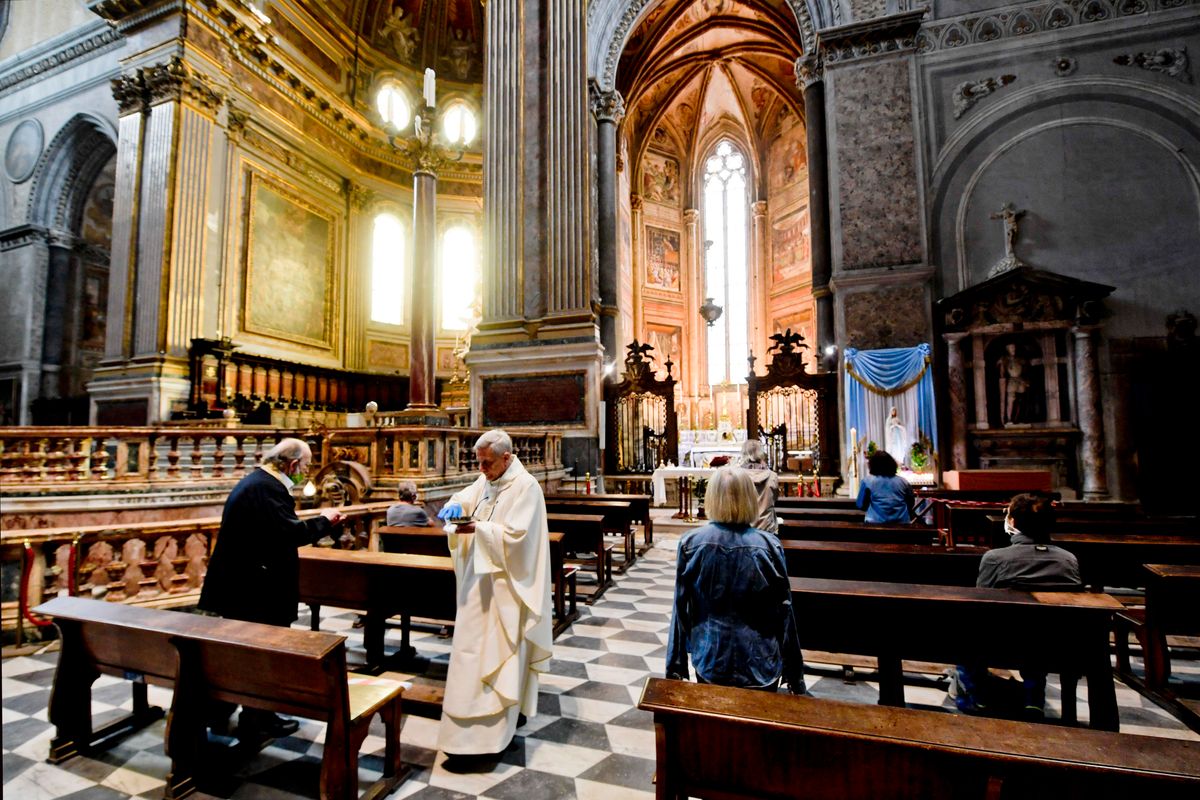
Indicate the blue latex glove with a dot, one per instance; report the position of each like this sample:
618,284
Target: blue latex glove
450,511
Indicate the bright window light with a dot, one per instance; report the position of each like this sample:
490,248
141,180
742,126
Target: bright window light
458,124
460,278
393,105
387,270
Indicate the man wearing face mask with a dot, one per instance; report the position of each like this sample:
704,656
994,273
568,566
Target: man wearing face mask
1029,562
502,636
254,571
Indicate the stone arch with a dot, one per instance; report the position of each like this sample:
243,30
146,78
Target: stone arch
1140,130
66,170
76,262
610,22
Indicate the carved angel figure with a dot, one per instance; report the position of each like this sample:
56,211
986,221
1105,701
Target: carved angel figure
400,31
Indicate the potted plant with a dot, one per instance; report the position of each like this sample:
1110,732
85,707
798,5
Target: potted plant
919,456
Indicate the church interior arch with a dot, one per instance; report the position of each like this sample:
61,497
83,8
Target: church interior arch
694,73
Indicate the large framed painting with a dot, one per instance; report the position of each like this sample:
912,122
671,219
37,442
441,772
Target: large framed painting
662,258
790,247
290,246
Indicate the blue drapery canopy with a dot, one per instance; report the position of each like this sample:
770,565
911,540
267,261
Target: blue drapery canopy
879,379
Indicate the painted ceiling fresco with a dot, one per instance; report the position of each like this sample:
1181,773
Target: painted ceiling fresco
446,35
690,64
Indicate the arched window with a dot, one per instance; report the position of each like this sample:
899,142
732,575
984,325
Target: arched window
725,271
459,124
387,270
392,103
460,277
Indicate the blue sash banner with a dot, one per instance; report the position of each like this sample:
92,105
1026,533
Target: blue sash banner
878,381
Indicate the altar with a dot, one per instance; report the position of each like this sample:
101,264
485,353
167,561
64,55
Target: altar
658,481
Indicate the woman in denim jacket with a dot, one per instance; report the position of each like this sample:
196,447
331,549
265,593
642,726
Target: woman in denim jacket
733,604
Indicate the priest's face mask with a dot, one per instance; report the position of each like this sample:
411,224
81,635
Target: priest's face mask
491,465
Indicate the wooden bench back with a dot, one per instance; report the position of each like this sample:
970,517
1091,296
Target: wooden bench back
842,531
720,742
243,662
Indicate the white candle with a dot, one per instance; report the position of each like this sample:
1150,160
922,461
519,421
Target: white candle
429,88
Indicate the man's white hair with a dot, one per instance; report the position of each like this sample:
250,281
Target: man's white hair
495,440
286,450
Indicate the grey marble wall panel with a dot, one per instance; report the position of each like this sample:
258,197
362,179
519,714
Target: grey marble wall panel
121,259
193,152
897,316
153,209
878,210
1103,157
868,9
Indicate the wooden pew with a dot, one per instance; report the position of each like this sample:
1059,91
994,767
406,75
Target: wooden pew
618,517
1114,560
584,533
834,531
862,561
382,585
639,509
1172,608
1066,632
830,503
205,659
722,743
820,514
432,542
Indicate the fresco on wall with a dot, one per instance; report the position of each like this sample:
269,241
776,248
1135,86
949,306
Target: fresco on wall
289,270
789,246
96,223
660,179
662,258
94,309
668,342
789,160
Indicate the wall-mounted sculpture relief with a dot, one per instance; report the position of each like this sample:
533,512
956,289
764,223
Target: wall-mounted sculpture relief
1170,61
968,93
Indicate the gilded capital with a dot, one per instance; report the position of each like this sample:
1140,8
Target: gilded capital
606,106
235,120
129,92
635,202
809,69
175,80
360,196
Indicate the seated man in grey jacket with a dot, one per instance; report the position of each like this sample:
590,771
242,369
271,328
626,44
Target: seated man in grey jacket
408,512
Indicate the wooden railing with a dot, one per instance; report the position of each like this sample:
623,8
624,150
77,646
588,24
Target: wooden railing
155,564
37,458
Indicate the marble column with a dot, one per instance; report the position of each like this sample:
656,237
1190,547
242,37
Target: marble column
57,310
810,77
979,377
639,264
760,266
162,199
693,332
957,380
608,108
422,406
1091,419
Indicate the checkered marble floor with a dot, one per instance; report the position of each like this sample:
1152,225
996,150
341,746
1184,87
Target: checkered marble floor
588,740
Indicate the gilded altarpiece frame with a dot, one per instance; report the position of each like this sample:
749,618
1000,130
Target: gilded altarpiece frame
290,247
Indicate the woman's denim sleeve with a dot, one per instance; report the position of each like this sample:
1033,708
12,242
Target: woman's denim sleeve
681,625
793,658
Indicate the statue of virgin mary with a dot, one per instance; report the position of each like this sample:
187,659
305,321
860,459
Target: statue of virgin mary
896,439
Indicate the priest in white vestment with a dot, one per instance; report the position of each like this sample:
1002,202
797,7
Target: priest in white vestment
502,628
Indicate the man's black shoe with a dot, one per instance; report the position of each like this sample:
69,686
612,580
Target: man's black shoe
265,726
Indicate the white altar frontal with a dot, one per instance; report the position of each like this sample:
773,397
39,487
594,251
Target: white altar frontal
658,481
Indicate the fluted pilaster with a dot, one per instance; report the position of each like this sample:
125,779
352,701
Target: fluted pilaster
504,132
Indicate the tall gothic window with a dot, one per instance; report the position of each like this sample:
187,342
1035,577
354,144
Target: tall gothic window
725,270
460,277
387,270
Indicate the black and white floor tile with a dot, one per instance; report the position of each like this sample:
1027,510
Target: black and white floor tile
588,740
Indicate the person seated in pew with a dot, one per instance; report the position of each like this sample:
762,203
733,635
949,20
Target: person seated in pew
1029,562
886,496
733,601
254,573
408,512
766,483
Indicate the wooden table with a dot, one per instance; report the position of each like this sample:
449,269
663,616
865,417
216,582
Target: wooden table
380,584
1172,608
1067,632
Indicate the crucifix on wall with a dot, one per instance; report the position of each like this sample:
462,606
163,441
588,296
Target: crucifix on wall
1011,218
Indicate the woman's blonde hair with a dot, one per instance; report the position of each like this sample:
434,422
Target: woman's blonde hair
731,497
